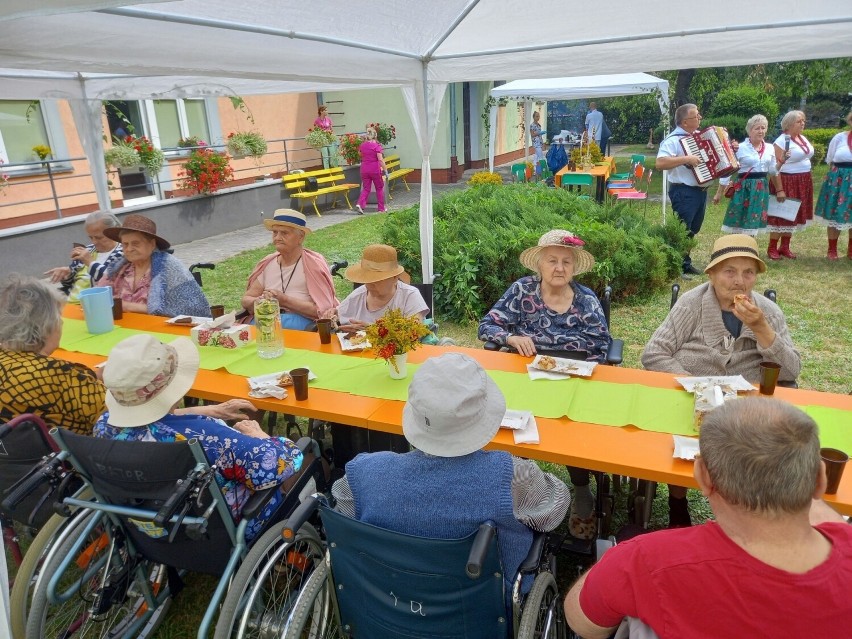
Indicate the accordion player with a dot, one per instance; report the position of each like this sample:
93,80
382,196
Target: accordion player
712,146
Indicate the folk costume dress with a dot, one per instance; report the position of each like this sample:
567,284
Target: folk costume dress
797,182
747,209
833,206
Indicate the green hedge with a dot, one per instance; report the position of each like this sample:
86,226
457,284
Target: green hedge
745,101
821,136
479,234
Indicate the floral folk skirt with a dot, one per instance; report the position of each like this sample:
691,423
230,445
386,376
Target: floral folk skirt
834,204
747,208
801,187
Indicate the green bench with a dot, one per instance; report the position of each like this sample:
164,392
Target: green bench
329,181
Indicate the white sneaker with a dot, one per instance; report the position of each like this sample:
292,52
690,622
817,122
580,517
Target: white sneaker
359,209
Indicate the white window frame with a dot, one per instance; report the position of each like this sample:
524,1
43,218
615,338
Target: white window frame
49,112
150,117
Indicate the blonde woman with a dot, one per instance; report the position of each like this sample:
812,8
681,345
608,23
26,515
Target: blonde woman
372,171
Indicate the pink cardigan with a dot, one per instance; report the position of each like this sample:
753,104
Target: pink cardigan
317,277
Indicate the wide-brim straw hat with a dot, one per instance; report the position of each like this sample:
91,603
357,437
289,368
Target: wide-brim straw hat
287,217
145,378
735,245
139,224
583,260
454,408
378,262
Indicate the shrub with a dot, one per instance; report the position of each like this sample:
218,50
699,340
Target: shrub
479,234
821,136
734,123
745,101
485,177
819,153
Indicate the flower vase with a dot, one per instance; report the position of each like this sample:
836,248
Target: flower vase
397,366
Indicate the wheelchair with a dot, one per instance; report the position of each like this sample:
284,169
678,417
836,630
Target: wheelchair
157,514
372,582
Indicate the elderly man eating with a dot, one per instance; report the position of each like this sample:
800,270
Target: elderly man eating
775,563
295,276
722,328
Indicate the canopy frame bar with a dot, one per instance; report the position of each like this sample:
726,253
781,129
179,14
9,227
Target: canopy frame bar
458,20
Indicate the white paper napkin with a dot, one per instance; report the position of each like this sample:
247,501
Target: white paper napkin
515,419
685,447
528,434
268,391
736,382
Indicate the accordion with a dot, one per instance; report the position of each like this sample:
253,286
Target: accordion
718,159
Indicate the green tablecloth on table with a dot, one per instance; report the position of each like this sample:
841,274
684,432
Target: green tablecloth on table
605,403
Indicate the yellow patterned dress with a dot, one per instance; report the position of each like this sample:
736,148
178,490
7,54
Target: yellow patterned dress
61,393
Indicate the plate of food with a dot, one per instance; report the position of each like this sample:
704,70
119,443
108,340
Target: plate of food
562,366
353,341
727,382
281,378
188,320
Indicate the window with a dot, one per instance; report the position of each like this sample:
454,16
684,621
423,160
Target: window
22,126
180,119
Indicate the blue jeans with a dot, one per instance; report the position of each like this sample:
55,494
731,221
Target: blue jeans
690,204
294,322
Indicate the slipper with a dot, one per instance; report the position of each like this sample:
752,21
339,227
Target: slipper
359,209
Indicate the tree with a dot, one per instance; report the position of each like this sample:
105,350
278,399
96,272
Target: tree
684,80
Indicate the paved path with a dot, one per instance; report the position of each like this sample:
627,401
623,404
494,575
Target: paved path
221,247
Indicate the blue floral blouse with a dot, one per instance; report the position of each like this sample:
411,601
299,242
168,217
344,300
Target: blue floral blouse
243,464
521,311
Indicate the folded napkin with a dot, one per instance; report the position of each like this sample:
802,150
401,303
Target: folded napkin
271,390
523,426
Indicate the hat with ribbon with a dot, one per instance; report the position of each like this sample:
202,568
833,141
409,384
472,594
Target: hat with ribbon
145,378
287,217
378,262
139,224
735,245
583,260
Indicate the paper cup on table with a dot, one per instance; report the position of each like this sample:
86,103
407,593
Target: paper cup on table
324,330
835,462
117,308
300,383
217,310
769,372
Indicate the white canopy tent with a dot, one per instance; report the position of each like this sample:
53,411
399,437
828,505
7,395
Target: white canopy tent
574,88
418,46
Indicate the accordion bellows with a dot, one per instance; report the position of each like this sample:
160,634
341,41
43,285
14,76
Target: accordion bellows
718,159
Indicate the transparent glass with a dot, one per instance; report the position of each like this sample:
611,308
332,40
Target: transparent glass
168,122
268,333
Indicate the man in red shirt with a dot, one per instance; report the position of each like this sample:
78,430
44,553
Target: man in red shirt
776,562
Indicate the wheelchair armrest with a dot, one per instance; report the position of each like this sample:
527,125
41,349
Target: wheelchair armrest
615,354
257,501
491,346
533,558
336,267
479,549
299,517
788,383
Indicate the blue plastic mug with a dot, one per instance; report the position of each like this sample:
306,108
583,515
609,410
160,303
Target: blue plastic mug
97,309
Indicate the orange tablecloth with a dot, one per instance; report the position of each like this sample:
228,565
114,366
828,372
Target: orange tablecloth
625,451
599,171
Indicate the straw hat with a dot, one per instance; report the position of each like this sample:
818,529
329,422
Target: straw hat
454,408
287,217
145,378
735,245
583,260
378,262
139,224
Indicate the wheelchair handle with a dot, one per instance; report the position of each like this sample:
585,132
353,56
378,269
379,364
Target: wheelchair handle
337,266
299,517
479,549
39,475
205,265
5,429
176,499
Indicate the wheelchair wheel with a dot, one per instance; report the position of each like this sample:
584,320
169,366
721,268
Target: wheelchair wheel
315,612
269,581
543,616
101,589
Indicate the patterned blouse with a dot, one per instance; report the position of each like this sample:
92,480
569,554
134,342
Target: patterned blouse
122,285
521,311
243,464
61,393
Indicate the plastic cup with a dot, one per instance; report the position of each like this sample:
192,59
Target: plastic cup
324,330
218,310
117,308
835,461
300,383
769,372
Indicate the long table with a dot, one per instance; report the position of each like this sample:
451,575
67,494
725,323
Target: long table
625,451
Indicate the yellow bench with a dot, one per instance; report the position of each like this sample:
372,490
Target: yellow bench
392,164
331,180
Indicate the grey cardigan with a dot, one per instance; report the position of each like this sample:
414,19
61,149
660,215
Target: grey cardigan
693,340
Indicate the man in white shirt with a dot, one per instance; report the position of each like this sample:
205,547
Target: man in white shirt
594,123
689,200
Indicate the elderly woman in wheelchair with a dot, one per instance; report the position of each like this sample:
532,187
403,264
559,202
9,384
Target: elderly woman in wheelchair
406,531
549,313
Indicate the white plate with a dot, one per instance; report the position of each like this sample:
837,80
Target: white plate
565,366
346,345
736,382
271,379
195,320
685,447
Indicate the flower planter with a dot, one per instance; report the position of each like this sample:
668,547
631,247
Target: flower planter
131,170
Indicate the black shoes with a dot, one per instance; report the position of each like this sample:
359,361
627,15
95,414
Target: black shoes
691,270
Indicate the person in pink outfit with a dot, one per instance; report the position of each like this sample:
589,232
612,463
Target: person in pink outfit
372,171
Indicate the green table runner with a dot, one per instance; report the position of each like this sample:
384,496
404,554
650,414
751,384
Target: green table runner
605,403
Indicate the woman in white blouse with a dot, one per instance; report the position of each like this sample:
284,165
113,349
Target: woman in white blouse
834,204
747,210
793,152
